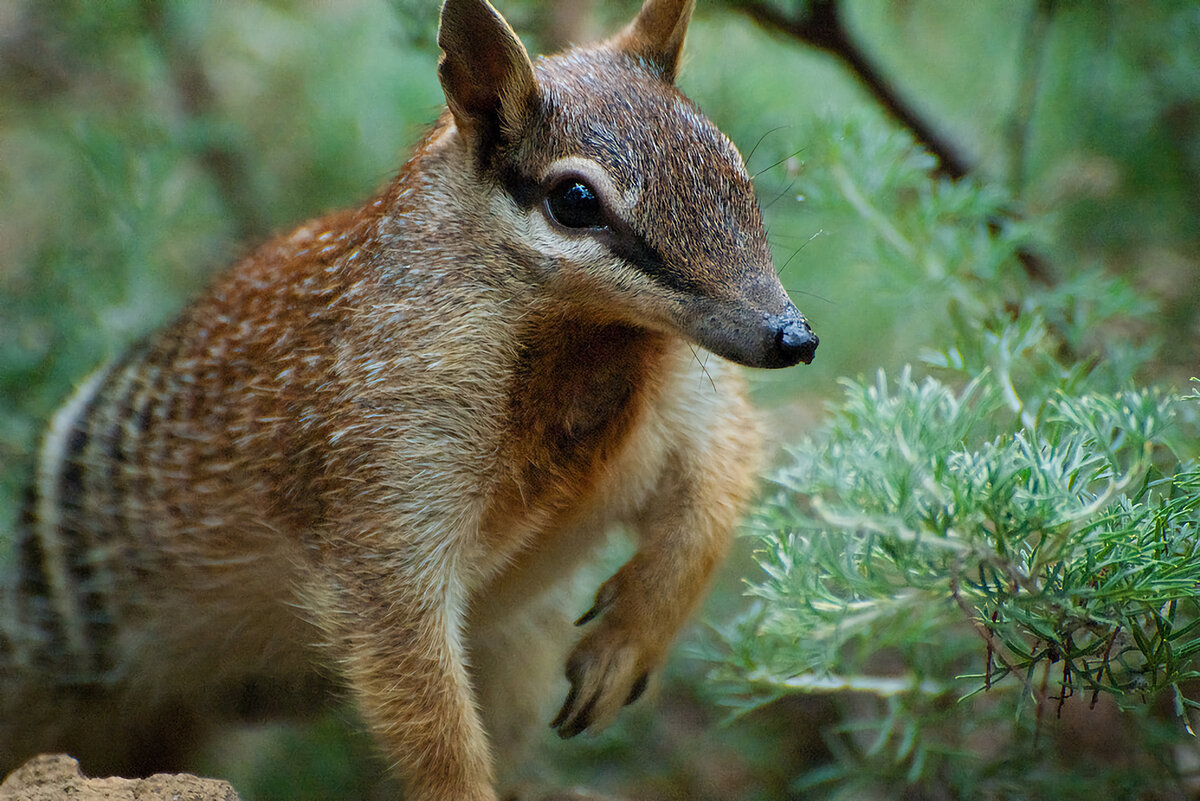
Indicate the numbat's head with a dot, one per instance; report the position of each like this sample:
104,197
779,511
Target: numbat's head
615,185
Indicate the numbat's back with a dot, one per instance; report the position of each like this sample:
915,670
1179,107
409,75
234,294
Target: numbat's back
375,449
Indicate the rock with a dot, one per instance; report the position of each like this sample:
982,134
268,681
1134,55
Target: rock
53,777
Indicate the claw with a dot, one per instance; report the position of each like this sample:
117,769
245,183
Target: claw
604,599
639,687
589,615
568,722
565,712
580,722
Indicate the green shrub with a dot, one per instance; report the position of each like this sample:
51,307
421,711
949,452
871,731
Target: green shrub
960,555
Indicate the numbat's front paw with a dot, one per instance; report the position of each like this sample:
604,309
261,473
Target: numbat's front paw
606,672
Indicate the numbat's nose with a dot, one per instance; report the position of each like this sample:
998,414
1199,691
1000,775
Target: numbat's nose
795,342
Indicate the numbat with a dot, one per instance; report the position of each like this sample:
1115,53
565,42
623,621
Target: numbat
376,449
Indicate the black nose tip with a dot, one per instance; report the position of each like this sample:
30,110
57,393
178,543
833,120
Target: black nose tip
795,342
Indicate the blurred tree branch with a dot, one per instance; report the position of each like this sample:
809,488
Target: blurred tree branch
820,24
226,164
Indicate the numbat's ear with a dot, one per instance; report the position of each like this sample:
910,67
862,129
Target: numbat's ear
484,69
656,34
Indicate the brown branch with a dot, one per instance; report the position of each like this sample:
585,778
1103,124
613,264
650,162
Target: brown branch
995,649
821,27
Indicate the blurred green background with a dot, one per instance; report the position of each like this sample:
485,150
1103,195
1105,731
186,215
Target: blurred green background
144,145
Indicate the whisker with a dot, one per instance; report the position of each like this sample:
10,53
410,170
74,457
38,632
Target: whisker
803,245
703,365
776,164
785,240
786,191
754,149
813,295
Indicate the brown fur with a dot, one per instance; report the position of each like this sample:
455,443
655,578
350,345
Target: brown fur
393,434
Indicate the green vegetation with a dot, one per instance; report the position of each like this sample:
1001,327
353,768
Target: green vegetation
972,573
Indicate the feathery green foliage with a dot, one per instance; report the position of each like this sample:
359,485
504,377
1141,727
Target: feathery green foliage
978,547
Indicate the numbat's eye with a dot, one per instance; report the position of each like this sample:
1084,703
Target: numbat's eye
574,204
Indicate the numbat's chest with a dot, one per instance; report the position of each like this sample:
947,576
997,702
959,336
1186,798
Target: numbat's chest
577,395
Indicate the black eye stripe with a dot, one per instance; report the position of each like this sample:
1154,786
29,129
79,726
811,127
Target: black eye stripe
619,237
625,243
523,189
